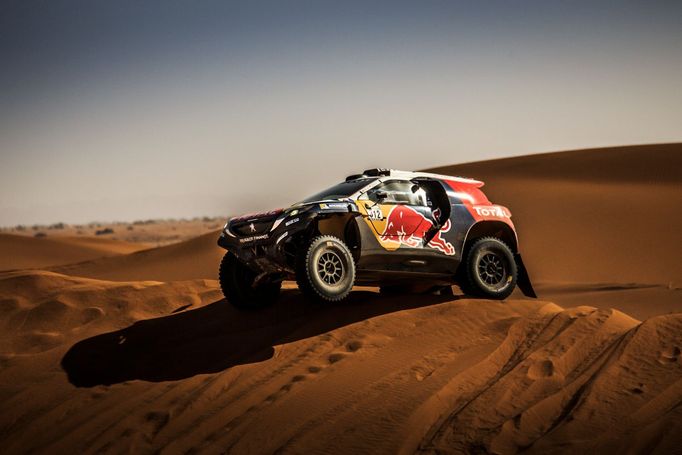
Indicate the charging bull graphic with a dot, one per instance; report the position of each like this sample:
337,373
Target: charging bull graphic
398,225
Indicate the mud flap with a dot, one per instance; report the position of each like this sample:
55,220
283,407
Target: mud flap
523,280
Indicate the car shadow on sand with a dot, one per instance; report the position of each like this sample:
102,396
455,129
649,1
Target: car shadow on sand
216,337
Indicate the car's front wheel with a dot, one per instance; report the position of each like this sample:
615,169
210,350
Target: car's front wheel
490,269
325,269
236,281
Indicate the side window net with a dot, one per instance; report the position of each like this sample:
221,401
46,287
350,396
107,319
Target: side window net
398,193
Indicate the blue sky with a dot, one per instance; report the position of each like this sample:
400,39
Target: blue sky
126,110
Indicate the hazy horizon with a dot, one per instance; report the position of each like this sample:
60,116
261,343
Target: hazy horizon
116,112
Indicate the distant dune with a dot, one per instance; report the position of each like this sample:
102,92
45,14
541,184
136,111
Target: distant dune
22,252
152,233
191,259
137,351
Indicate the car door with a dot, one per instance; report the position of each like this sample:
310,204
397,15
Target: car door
408,228
397,216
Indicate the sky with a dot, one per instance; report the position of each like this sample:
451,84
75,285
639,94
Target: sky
117,111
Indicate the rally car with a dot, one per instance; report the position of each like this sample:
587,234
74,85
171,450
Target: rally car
387,228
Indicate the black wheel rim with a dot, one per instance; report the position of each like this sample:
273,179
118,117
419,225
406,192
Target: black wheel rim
491,269
330,268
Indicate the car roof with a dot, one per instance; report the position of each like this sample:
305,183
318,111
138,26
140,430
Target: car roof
411,175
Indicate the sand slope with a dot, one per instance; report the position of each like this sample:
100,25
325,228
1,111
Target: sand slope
191,259
171,366
580,380
22,252
606,215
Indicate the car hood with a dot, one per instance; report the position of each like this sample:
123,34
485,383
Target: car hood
254,223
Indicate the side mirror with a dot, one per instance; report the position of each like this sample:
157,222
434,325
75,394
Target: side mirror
381,195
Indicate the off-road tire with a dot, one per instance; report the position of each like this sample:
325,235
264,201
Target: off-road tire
490,270
325,269
236,281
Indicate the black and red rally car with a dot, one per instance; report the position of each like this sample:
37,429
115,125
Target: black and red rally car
386,228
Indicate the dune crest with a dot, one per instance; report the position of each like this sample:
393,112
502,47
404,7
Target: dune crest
192,259
22,252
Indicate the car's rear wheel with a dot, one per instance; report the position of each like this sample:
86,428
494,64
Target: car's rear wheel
490,269
325,270
236,281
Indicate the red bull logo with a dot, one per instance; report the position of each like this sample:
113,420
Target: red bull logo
406,226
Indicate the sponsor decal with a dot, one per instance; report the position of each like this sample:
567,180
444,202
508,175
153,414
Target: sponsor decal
491,210
279,239
334,205
252,228
401,225
290,222
253,238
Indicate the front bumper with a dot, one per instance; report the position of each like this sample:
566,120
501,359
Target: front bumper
265,253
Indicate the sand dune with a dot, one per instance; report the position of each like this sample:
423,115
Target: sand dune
139,352
191,259
558,381
171,366
590,220
22,252
602,216
150,232
641,301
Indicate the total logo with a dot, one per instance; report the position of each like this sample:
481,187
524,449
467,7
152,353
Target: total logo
492,210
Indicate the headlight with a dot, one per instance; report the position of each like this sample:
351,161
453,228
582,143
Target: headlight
226,229
284,216
278,221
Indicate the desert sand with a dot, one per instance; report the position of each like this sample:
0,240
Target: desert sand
137,351
151,232
22,252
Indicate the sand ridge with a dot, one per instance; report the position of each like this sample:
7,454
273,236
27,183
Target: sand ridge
191,259
22,252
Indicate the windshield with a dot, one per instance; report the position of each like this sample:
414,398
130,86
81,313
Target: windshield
340,191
